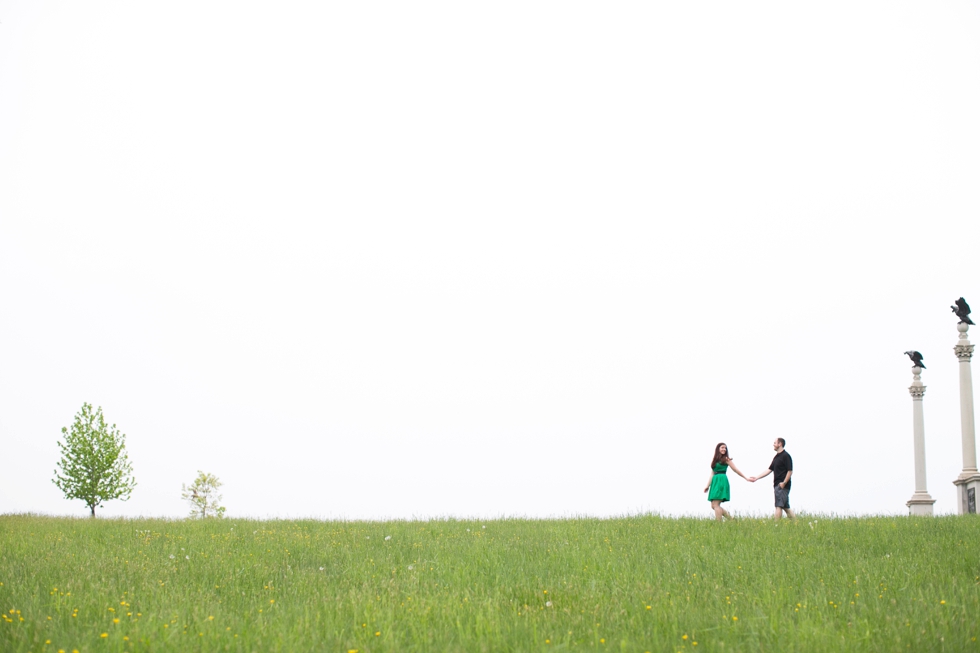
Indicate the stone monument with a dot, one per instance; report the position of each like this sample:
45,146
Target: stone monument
921,503
968,482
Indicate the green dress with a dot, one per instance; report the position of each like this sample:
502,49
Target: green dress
719,489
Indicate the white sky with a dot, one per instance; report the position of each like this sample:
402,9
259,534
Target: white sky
415,259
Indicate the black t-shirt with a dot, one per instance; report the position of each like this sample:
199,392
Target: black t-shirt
781,463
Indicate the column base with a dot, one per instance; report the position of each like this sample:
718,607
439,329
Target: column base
967,492
920,505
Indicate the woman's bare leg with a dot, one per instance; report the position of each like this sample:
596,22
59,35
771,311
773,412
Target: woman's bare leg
719,511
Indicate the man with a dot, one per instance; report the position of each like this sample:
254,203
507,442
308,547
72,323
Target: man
782,469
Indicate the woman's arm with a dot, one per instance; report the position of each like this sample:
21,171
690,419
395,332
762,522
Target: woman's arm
735,469
709,482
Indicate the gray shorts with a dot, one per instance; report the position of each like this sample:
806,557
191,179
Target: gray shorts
782,497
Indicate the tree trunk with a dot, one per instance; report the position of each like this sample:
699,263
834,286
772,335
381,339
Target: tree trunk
92,508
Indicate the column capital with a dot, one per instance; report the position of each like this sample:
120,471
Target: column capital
964,352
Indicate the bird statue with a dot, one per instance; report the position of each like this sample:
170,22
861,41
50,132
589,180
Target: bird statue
916,358
962,310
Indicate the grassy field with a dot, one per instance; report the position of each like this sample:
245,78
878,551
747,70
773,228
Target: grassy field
631,584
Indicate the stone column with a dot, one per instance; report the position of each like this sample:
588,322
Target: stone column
968,482
921,503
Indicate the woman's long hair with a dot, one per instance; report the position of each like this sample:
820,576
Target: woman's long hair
719,456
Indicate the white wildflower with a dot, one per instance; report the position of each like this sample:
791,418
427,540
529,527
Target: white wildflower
547,604
387,537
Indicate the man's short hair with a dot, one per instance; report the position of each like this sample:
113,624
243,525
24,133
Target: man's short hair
782,442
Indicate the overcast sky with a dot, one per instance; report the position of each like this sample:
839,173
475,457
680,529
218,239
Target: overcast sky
423,259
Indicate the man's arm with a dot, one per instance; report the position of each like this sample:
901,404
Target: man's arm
786,480
762,475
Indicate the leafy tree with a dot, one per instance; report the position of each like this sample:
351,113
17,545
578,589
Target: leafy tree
203,496
94,465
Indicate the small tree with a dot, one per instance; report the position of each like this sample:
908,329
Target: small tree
94,465
203,496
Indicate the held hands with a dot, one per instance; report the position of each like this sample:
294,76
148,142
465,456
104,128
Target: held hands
751,479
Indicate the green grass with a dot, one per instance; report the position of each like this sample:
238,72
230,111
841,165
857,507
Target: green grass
631,584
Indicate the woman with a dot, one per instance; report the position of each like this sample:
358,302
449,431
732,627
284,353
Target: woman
717,488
